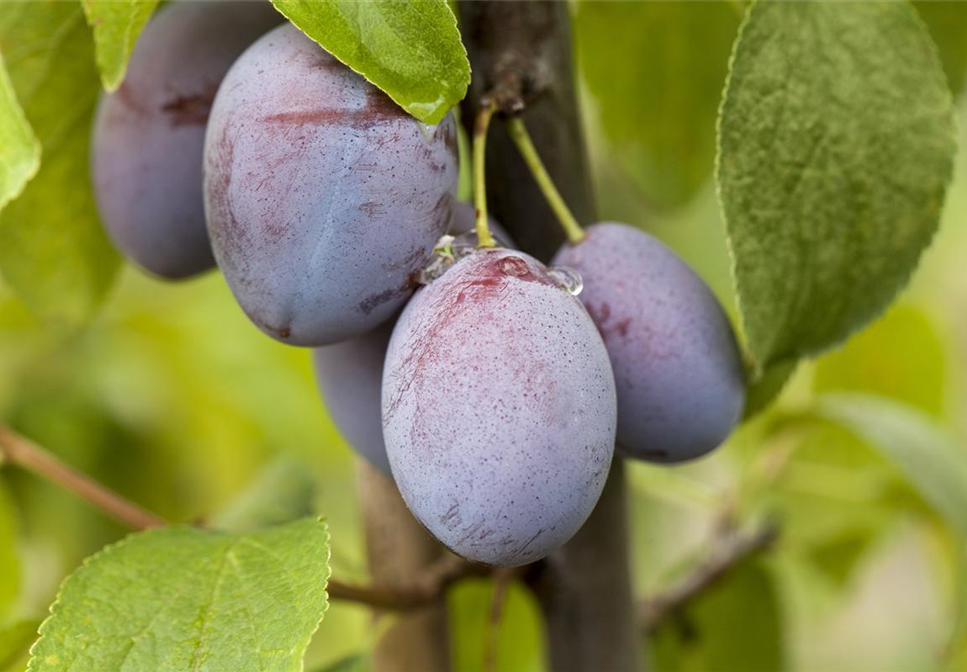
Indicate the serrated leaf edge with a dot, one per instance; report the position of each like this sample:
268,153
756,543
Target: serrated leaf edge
110,548
759,367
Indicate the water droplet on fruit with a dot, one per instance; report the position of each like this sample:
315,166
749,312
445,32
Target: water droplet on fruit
568,278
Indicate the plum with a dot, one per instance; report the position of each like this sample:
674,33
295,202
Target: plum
678,370
499,409
350,373
149,136
350,377
323,197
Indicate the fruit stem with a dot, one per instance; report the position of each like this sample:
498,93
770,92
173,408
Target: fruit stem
518,132
481,126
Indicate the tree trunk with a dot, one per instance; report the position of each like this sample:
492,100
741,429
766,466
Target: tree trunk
523,50
398,548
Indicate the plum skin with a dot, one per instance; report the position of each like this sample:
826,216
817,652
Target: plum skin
350,377
350,373
499,409
149,135
678,370
323,197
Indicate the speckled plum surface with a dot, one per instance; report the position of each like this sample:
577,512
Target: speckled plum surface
350,373
322,195
677,367
350,377
499,409
149,135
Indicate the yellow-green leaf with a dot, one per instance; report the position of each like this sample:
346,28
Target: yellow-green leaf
19,149
410,50
184,598
116,25
53,251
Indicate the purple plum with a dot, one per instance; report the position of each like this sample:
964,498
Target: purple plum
323,196
149,135
678,370
499,409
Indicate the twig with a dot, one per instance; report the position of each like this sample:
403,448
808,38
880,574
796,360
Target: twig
654,610
502,579
24,453
429,586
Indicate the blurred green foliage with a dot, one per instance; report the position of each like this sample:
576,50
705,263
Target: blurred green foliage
173,399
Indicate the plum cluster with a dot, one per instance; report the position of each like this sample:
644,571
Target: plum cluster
492,390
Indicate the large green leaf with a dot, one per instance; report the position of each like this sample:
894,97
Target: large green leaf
947,22
19,149
411,50
53,251
15,641
116,25
9,558
656,71
736,625
934,462
836,145
183,598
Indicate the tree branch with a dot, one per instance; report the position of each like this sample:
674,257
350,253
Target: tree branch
738,547
521,57
26,454
429,587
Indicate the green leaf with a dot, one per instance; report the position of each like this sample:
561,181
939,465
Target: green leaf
9,555
836,145
767,386
934,462
410,50
947,22
284,491
15,641
184,598
900,356
737,625
19,149
116,25
53,251
656,70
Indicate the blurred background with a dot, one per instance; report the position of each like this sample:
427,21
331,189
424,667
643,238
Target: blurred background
171,397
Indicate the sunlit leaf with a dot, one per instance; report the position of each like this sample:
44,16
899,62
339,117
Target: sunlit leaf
116,25
53,251
19,149
411,50
184,598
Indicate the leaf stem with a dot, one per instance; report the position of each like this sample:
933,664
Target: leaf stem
24,453
521,138
480,128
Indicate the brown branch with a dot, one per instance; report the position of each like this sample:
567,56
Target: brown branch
738,547
26,454
502,579
430,586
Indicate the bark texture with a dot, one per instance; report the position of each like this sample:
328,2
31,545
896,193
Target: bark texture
521,56
398,548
